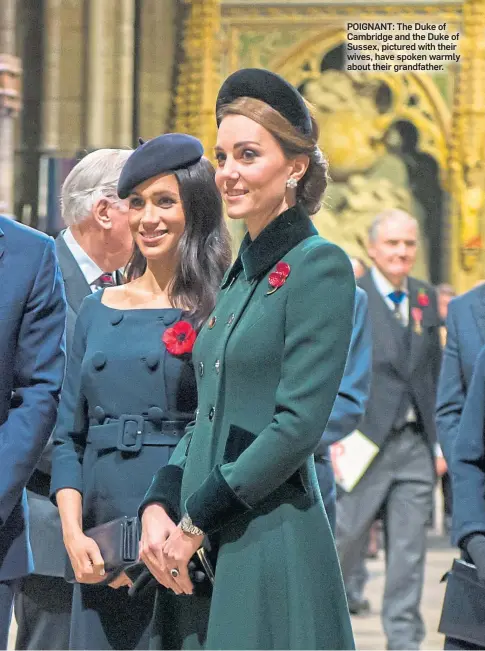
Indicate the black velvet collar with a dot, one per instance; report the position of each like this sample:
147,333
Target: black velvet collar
272,244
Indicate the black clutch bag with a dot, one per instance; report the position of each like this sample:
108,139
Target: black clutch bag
118,543
463,614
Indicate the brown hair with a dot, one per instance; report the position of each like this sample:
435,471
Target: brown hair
292,141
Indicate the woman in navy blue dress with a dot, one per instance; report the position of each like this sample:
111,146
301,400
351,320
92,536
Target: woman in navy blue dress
130,387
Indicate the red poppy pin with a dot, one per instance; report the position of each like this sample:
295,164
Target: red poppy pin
277,278
180,338
423,298
417,314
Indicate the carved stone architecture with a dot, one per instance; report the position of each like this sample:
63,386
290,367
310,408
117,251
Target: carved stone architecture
104,72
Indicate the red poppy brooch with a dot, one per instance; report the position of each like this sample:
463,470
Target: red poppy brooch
277,278
423,298
180,338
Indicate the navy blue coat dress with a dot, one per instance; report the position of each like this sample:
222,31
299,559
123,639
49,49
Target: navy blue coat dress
124,406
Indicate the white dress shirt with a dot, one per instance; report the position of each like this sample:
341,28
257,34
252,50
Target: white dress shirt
384,287
89,268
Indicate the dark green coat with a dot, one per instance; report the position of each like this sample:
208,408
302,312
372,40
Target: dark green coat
268,368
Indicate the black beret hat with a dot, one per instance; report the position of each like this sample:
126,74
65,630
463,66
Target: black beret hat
268,87
162,154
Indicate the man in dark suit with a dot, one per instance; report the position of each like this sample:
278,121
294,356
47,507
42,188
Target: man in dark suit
32,360
465,325
400,420
96,243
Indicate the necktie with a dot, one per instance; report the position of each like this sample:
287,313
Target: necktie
397,298
105,280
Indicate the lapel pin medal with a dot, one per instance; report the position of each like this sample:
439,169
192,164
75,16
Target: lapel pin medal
277,278
417,312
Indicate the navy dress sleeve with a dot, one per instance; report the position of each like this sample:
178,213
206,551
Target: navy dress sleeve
69,438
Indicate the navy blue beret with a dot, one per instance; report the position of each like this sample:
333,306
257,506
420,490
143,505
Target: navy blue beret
160,155
268,87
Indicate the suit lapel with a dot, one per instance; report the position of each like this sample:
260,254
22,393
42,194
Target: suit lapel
417,333
478,310
389,331
75,283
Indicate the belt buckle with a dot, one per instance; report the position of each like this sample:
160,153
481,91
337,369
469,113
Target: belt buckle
123,446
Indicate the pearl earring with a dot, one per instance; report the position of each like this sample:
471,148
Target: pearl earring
291,183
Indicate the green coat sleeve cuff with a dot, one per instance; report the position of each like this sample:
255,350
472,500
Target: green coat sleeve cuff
165,489
214,504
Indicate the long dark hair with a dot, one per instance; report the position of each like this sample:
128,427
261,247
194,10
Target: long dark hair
204,248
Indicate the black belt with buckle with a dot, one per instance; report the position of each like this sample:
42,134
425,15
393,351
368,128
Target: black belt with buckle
130,432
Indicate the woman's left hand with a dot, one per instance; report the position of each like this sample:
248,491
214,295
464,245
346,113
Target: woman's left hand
178,550
120,581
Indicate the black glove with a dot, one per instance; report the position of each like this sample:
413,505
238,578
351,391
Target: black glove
475,546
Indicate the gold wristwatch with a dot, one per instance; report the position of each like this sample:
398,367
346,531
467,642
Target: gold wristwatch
188,526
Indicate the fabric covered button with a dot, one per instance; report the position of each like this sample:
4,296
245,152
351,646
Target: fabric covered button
117,318
99,413
212,412
230,319
212,322
99,360
155,415
168,318
201,369
152,360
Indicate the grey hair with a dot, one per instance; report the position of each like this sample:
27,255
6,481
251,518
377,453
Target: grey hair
95,176
445,289
385,216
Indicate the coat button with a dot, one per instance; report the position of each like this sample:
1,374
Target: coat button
201,369
212,413
155,415
212,322
152,360
217,366
99,413
230,319
99,360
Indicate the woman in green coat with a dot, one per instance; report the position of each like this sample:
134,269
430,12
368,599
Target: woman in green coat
269,362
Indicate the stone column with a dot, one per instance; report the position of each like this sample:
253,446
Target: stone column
51,105
467,154
199,80
156,62
10,72
96,87
123,91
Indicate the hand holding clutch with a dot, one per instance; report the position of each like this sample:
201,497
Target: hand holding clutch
87,564
178,551
156,529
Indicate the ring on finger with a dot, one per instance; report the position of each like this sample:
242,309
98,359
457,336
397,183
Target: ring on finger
174,572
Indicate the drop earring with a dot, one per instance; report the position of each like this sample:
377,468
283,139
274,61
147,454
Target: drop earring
291,183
